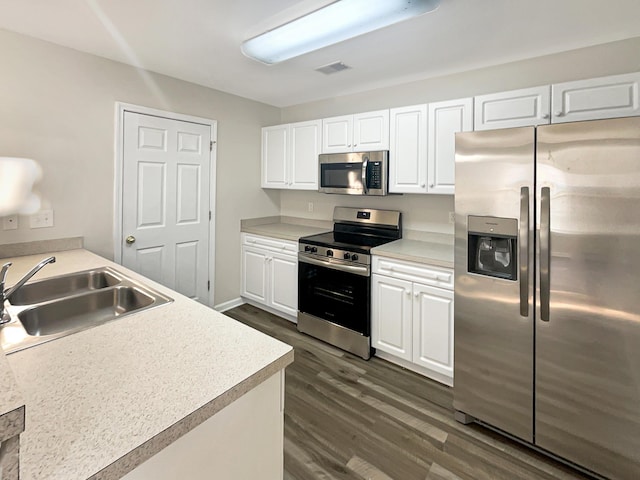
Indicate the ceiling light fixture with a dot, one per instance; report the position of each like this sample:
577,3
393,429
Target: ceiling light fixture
334,23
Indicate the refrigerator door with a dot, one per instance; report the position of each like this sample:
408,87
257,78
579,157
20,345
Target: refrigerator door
493,372
587,376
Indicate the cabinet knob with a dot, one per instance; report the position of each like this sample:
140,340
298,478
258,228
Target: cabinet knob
545,115
423,185
416,294
349,145
407,292
558,113
431,185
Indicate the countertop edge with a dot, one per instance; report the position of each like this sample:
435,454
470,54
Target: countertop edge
148,449
12,423
413,258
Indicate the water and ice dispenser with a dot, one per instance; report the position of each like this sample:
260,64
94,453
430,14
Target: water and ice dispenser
492,244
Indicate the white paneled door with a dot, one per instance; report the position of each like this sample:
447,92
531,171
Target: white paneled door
165,202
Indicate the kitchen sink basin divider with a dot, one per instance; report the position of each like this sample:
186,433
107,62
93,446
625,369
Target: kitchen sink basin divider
59,306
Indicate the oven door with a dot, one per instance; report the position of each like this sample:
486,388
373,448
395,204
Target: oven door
336,292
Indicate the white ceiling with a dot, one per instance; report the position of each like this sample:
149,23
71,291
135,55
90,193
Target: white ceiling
199,40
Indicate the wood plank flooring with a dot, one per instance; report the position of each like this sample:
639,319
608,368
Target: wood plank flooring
350,419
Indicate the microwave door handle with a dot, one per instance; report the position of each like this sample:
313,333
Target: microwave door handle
365,167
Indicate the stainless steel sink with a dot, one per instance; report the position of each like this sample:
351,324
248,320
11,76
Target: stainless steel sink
55,307
64,285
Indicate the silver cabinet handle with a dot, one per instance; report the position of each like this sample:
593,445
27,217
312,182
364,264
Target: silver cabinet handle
130,239
524,251
545,254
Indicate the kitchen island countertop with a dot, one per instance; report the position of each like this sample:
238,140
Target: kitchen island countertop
102,401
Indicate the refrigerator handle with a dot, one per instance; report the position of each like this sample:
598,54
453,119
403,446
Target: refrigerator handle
524,251
545,234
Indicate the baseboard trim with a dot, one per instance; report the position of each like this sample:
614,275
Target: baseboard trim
223,307
437,376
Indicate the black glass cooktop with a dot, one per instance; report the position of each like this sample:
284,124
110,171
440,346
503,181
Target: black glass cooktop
346,241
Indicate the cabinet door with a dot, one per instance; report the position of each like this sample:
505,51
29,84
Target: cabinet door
274,157
596,98
337,133
254,274
433,328
283,280
371,131
445,120
517,108
304,147
391,316
408,150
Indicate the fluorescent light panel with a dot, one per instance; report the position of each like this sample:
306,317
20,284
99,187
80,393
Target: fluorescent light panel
334,23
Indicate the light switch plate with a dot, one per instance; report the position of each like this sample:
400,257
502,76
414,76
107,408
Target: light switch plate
10,222
44,218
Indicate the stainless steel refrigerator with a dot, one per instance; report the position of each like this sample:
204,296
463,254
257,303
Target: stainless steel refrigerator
547,289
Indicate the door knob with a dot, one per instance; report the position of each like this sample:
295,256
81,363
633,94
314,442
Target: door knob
130,239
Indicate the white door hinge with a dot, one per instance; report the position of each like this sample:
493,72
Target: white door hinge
208,285
209,215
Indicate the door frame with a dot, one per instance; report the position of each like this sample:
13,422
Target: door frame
120,109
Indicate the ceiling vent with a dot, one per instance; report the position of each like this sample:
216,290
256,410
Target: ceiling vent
332,68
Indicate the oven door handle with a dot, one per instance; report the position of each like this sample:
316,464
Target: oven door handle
356,269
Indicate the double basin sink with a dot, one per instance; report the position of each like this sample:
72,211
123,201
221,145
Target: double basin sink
58,306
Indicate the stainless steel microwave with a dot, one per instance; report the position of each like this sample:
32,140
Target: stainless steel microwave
362,173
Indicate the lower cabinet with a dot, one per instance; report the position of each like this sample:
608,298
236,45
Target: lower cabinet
270,273
243,440
412,316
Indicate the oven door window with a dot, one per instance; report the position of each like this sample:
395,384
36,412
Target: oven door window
338,297
341,175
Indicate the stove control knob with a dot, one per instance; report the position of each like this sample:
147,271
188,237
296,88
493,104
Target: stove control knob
354,257
307,248
347,256
314,249
329,253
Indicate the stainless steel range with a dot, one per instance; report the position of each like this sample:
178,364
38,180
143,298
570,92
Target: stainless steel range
334,277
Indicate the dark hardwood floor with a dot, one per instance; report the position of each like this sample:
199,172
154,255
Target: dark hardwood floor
350,419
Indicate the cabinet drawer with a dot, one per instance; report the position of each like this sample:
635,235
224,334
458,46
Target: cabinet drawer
415,272
270,243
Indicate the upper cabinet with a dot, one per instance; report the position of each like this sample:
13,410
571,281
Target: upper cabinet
356,133
422,152
596,98
517,108
445,120
290,155
408,150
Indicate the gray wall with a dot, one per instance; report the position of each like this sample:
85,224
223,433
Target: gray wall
57,106
431,211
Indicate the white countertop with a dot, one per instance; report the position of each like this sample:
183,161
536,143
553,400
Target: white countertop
101,401
285,228
432,253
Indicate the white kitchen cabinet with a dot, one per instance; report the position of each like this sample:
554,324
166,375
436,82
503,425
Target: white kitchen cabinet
596,98
274,156
422,145
408,149
433,328
412,316
361,132
391,315
270,274
290,155
516,108
445,119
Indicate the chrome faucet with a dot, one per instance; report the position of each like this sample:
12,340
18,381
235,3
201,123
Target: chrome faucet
6,294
